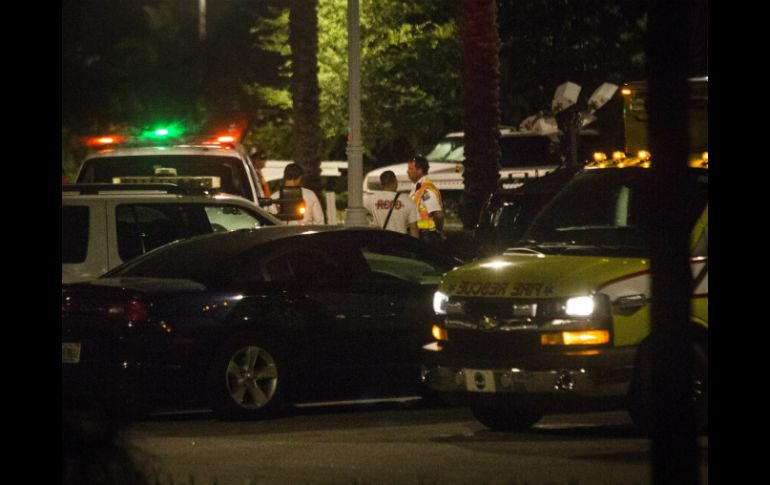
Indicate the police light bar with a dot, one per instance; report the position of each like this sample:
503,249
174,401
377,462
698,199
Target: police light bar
188,181
105,140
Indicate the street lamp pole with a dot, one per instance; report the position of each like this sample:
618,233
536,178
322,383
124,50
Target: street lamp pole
355,214
202,20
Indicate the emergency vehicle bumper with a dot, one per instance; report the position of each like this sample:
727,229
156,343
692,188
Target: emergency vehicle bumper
608,375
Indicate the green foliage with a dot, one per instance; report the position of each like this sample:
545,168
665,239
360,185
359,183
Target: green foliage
132,62
409,76
410,62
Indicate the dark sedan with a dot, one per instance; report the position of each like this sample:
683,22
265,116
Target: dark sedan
251,320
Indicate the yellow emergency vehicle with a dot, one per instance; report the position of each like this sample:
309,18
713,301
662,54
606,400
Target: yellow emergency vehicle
557,324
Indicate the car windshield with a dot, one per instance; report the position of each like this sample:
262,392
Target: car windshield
226,173
608,208
444,148
516,151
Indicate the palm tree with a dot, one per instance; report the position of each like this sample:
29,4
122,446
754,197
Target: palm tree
306,136
481,105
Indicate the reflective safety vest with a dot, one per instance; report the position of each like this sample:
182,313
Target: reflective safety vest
426,222
263,184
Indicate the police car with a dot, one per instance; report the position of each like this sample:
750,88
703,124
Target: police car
224,167
104,225
562,322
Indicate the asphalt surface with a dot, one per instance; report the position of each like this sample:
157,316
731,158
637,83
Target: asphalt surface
406,443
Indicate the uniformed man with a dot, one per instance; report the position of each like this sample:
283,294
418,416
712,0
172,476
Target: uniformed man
292,177
427,198
391,210
259,160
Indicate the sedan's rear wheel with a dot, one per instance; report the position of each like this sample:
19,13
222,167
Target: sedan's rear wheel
246,381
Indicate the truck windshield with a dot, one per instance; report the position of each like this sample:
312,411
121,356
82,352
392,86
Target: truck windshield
444,148
223,172
609,208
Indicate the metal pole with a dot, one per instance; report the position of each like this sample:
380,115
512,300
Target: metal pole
202,20
355,215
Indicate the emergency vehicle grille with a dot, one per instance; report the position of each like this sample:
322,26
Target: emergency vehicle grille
512,309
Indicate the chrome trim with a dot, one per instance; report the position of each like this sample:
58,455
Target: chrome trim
581,382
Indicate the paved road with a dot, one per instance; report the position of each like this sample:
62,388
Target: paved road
407,443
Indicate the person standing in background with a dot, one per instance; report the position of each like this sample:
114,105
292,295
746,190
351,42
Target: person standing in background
259,160
391,210
314,214
427,199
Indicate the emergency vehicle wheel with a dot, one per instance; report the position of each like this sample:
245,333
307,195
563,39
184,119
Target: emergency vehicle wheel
247,380
639,399
505,419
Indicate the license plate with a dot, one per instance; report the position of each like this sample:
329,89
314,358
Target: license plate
70,353
477,380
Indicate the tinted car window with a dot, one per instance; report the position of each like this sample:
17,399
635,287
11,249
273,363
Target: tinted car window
204,260
401,263
306,264
223,172
74,233
142,227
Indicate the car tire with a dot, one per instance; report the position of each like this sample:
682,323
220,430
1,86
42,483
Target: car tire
248,379
505,419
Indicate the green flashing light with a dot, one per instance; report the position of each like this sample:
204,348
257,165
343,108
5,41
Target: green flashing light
161,133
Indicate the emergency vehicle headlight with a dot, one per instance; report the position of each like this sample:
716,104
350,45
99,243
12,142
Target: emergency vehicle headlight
587,337
580,306
440,301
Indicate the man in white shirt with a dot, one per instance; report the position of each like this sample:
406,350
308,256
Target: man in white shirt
427,198
392,211
314,214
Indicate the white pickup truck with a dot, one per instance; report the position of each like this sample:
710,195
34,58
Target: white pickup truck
104,225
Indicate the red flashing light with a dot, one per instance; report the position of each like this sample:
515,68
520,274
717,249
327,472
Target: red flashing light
225,140
100,141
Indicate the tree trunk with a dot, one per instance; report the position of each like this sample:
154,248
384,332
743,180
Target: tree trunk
306,136
481,105
674,447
